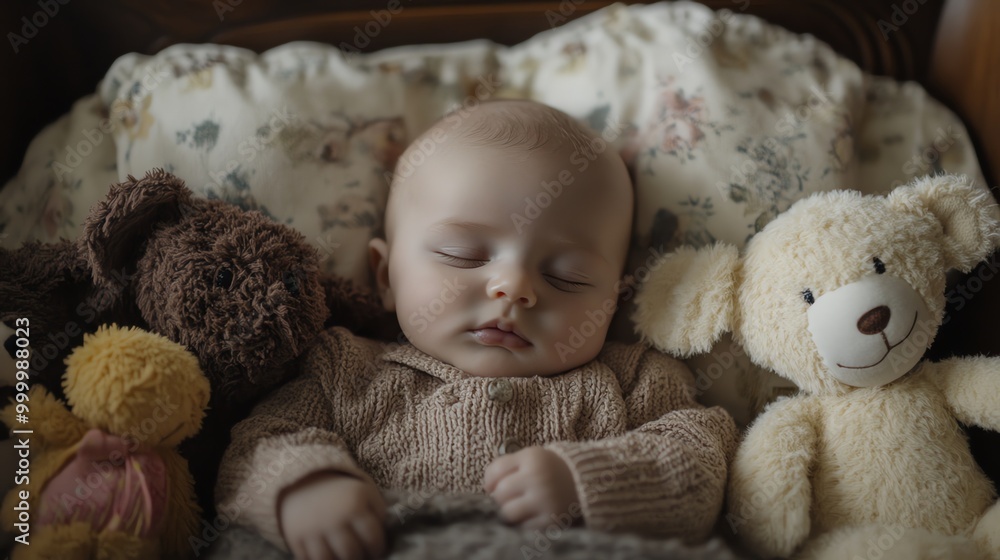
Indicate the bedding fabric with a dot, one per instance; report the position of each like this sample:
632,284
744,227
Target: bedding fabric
466,526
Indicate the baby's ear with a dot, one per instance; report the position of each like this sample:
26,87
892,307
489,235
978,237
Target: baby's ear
688,301
378,260
968,216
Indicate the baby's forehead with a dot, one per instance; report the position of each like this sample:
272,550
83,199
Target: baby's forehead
520,130
513,132
515,124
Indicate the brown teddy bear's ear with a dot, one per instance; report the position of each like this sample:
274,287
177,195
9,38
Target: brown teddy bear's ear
968,216
689,300
115,232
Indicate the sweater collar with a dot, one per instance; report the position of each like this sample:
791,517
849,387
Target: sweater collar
408,355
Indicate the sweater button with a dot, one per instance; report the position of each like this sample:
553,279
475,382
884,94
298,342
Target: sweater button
500,390
509,446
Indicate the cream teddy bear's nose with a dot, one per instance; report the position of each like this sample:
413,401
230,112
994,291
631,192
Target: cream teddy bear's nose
875,320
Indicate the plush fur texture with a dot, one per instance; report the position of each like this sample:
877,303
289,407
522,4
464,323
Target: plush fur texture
133,384
49,285
422,526
827,471
240,291
687,315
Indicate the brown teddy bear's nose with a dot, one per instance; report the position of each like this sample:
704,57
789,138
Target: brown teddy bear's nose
874,321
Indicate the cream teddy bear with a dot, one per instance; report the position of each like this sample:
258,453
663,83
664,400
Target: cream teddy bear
842,294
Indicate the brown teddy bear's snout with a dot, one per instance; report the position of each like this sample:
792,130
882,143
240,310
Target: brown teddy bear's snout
268,313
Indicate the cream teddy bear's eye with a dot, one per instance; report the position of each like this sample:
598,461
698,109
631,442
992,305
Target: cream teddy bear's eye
879,266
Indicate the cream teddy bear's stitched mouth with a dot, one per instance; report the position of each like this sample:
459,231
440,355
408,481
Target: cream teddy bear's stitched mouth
888,346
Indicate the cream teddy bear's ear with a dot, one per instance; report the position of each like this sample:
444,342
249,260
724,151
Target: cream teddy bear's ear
688,301
968,215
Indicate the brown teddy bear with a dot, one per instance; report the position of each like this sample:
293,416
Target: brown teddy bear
242,292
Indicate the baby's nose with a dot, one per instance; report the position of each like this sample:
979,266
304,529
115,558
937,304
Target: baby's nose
514,286
525,300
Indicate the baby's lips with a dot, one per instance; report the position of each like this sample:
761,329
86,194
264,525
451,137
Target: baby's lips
491,336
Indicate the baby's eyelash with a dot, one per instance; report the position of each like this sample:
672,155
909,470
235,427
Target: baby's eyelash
459,261
556,279
559,283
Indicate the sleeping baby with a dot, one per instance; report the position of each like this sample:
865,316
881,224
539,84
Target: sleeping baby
503,257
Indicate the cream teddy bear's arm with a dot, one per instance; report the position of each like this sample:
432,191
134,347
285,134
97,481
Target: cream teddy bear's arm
971,386
770,492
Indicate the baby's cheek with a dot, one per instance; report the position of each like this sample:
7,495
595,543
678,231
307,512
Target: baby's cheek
592,318
430,297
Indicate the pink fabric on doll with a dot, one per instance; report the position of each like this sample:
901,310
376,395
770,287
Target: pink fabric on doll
109,486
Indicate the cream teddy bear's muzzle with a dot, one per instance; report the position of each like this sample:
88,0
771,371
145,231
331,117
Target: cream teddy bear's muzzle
871,332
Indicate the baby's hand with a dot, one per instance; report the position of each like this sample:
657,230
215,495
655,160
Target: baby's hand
330,516
531,486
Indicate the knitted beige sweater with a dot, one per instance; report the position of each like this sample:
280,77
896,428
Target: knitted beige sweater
645,456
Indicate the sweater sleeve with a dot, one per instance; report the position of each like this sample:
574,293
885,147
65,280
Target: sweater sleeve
667,475
288,436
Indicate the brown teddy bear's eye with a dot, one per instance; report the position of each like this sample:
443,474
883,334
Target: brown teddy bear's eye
808,296
879,266
224,277
291,282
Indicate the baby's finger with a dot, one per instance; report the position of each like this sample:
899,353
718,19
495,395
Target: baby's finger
345,544
497,470
298,551
517,511
371,535
509,488
377,503
316,548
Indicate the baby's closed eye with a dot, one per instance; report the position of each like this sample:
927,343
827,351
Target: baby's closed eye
564,283
461,258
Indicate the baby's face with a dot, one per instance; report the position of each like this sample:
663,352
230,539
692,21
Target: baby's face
494,274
